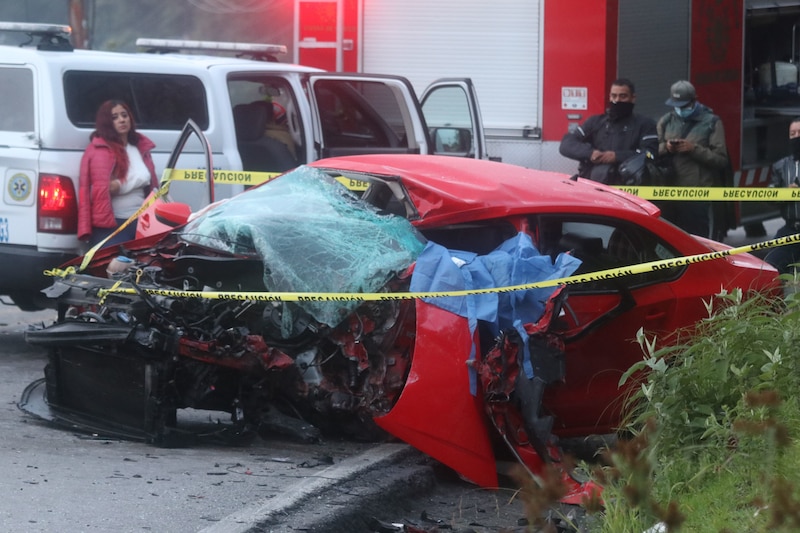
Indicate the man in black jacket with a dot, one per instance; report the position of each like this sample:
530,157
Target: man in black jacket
786,173
604,141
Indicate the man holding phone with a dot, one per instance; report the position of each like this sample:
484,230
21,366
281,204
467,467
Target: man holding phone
693,137
786,173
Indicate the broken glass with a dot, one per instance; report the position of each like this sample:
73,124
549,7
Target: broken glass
314,236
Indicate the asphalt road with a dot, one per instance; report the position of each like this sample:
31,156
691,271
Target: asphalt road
57,480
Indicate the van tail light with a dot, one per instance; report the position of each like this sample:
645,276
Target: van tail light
57,210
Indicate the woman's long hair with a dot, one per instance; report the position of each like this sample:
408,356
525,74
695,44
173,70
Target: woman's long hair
104,128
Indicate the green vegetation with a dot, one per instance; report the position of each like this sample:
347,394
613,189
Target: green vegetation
712,442
714,424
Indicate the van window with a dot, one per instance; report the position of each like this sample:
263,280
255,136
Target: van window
269,132
359,114
16,108
158,101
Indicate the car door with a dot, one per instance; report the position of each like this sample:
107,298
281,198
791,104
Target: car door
450,107
601,318
187,192
363,114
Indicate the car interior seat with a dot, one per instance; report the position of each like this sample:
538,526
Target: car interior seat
259,153
581,245
622,249
588,249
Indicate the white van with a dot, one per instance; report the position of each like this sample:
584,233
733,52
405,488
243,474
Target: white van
257,114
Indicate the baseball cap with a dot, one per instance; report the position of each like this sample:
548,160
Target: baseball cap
681,93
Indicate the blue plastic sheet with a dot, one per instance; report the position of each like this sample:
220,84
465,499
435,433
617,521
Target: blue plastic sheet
515,262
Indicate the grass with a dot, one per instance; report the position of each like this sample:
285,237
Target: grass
714,427
713,435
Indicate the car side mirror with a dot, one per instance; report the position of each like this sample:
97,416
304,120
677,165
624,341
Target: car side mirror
173,214
452,141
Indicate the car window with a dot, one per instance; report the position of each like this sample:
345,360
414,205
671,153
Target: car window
480,237
448,106
449,121
603,244
359,114
16,114
159,101
269,131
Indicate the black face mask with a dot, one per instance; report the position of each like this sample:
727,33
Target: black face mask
795,145
618,110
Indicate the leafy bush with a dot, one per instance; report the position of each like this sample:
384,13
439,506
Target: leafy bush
713,422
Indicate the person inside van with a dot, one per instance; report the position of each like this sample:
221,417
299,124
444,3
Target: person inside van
258,151
277,127
116,175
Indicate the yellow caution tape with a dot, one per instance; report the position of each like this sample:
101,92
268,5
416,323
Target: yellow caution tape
610,273
236,177
227,177
353,184
90,254
244,177
740,194
753,194
646,192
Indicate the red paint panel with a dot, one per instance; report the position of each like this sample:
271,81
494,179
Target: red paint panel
350,55
436,412
717,63
318,23
451,190
579,51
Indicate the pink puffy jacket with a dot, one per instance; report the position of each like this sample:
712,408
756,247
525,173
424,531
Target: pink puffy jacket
94,200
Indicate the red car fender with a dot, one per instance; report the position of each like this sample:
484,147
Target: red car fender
436,413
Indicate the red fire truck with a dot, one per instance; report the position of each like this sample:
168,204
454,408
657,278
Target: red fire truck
541,65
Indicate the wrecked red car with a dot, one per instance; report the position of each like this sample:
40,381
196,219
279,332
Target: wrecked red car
301,307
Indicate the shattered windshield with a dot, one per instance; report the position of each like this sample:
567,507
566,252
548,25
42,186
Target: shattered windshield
313,235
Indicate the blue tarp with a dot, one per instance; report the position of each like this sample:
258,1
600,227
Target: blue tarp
515,262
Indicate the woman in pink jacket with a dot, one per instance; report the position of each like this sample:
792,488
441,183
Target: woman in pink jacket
117,174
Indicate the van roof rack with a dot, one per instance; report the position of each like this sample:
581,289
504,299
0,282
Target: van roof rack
51,36
259,51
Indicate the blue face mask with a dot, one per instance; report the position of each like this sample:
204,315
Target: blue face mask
684,112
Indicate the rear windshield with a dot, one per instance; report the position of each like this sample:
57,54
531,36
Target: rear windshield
158,101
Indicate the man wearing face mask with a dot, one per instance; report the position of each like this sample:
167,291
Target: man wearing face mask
692,136
786,173
604,141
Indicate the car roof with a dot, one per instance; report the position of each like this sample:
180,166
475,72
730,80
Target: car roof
449,189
